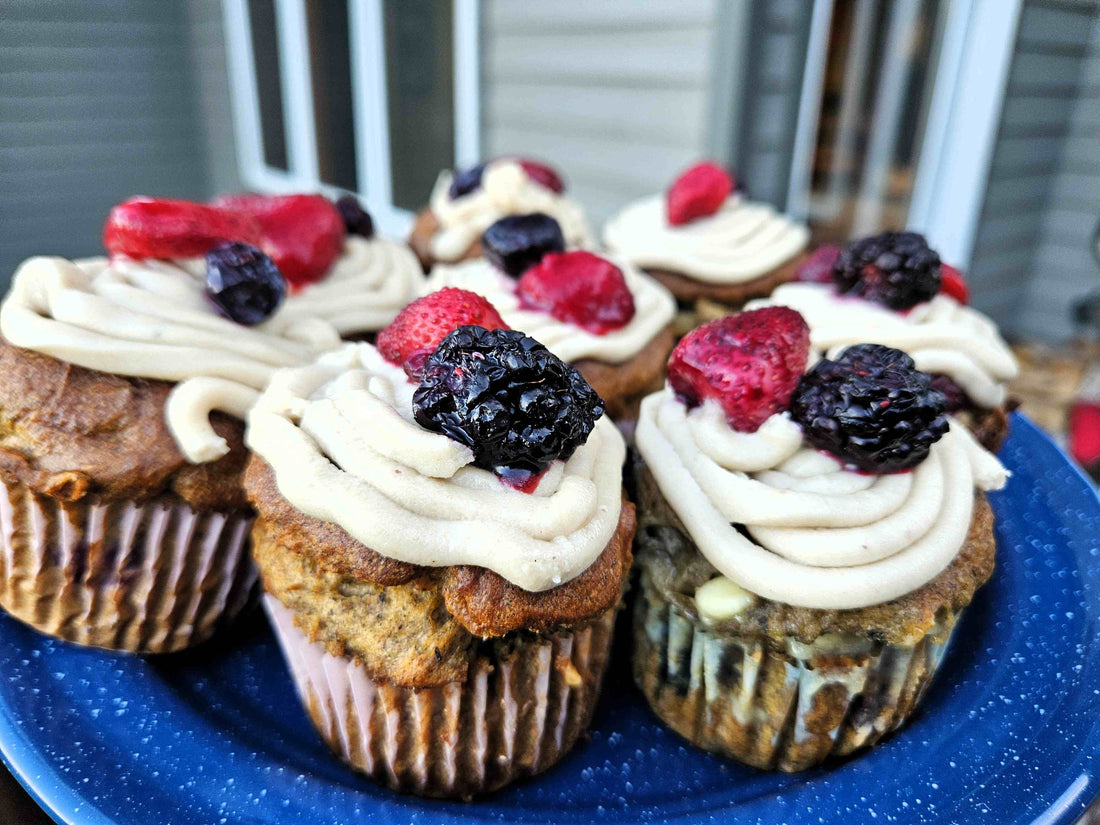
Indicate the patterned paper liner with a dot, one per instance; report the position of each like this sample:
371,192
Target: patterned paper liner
517,713
776,709
149,577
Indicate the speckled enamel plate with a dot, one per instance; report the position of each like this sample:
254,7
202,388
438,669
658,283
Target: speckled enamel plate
1010,733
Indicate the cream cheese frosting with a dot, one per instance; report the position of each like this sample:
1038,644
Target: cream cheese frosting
822,536
505,190
743,240
654,308
151,319
371,281
941,335
345,448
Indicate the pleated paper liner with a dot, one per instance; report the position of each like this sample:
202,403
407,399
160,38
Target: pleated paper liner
149,577
517,712
776,709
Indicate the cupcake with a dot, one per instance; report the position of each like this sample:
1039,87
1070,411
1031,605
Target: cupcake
612,322
340,271
892,289
464,204
807,541
125,382
443,553
706,242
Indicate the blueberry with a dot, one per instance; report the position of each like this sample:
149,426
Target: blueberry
466,181
516,243
244,284
357,220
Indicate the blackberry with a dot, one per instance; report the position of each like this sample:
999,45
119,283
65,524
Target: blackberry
516,243
956,396
243,283
357,220
466,181
508,398
895,269
871,408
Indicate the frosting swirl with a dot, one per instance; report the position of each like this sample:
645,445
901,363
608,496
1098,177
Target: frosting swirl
822,536
505,190
942,335
654,308
344,446
151,319
741,241
365,288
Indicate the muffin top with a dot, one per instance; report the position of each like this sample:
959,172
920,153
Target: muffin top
703,229
466,203
837,488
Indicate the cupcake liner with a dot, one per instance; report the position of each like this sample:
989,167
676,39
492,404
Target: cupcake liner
522,706
777,708
144,577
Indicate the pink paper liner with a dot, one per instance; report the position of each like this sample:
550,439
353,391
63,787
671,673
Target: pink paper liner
516,713
150,577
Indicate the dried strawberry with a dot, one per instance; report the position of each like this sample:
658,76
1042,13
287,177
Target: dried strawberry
579,288
698,192
818,268
303,234
750,363
418,328
953,284
542,174
160,228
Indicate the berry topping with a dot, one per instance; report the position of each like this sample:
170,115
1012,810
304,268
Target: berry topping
159,228
818,268
749,363
698,192
303,234
954,395
357,220
953,284
508,398
542,174
466,181
419,327
244,283
871,408
516,243
579,288
895,269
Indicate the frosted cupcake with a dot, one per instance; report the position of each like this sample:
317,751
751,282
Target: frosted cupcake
892,289
807,542
707,242
121,454
609,320
464,204
340,270
443,554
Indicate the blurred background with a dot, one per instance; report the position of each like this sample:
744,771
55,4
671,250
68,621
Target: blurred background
974,121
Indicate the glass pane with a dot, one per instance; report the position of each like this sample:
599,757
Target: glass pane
420,87
330,68
265,52
878,81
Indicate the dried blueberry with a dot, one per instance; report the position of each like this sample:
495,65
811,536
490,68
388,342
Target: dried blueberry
466,181
244,283
357,220
516,243
506,397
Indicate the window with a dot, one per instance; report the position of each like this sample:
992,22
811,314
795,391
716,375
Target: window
367,96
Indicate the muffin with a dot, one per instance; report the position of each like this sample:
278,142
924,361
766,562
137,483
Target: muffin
706,242
807,542
612,322
464,204
342,271
443,557
121,434
892,289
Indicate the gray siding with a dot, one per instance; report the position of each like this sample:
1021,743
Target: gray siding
96,103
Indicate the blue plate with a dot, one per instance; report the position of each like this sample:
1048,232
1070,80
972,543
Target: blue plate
1010,733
